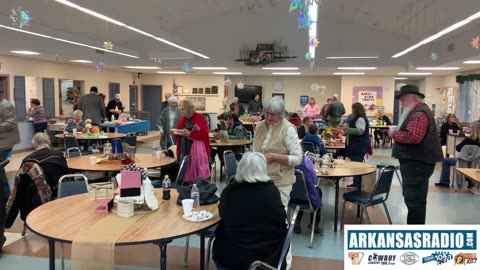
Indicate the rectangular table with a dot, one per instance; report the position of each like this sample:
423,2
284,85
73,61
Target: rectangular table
473,174
130,127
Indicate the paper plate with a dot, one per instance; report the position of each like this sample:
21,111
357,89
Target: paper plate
198,216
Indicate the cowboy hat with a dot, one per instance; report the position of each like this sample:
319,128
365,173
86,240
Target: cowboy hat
410,89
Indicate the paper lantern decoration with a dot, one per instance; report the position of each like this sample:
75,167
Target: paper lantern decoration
108,45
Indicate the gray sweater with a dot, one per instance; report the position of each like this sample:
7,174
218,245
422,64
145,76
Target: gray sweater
9,135
92,107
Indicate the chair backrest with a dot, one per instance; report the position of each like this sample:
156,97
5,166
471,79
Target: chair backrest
70,141
309,146
182,171
131,139
73,187
4,163
73,152
300,190
384,183
230,164
249,135
207,118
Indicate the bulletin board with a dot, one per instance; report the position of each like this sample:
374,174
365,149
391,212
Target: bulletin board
371,97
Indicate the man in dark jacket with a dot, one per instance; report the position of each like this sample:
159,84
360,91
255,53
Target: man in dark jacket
92,106
417,147
236,107
114,107
335,111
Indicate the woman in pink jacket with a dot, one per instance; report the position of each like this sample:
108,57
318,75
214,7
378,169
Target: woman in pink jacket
311,109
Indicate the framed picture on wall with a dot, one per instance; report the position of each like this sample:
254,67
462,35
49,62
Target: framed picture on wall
194,90
208,90
303,100
278,95
200,90
215,90
180,89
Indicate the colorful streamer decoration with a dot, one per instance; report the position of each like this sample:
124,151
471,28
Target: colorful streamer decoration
186,67
308,56
107,45
100,66
475,42
313,42
20,17
296,4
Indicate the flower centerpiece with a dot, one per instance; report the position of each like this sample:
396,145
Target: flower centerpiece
88,125
328,134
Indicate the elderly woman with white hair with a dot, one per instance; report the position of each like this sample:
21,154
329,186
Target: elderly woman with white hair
76,122
168,119
253,219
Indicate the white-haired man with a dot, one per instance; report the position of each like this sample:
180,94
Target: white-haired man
417,147
114,107
168,119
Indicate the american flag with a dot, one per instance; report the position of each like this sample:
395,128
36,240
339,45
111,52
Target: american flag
175,89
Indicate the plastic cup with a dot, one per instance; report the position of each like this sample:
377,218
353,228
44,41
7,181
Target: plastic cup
74,131
93,161
344,138
158,154
450,131
187,206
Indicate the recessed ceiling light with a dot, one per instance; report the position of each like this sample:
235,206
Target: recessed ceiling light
401,78
25,52
439,34
415,73
81,61
228,73
140,67
66,41
349,73
171,72
356,68
108,19
280,68
286,73
210,68
352,57
472,62
437,68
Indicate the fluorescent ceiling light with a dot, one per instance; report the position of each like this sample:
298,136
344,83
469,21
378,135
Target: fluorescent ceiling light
401,78
171,72
352,57
228,73
349,73
286,73
140,67
280,68
356,68
439,34
437,68
210,68
108,19
81,61
415,73
25,52
65,41
472,62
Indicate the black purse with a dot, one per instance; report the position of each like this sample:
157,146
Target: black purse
207,192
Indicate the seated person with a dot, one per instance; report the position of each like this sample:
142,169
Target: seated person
315,194
303,129
254,228
312,136
235,128
295,119
382,134
76,122
52,162
451,123
473,139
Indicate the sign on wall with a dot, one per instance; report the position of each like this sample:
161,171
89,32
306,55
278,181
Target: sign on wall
371,97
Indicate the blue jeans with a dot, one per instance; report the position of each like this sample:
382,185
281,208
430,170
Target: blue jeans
445,175
3,175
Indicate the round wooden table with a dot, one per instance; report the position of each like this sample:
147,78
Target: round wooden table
143,160
68,216
343,168
107,136
230,143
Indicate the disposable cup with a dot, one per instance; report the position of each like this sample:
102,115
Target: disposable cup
392,128
74,131
450,131
93,161
158,154
344,139
187,206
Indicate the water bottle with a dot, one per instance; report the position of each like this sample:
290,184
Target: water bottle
112,119
166,183
116,130
195,195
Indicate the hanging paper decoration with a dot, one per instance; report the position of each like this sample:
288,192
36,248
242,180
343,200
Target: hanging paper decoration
157,60
107,45
434,56
295,4
313,42
475,42
304,20
20,17
308,56
186,67
100,66
307,19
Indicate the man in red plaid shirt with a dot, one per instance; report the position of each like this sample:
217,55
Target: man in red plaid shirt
417,147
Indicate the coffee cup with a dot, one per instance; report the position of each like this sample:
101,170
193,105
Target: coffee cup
187,206
93,161
450,131
74,131
158,154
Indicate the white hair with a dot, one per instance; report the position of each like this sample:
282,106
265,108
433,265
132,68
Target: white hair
78,112
40,140
117,96
252,168
335,97
276,105
172,99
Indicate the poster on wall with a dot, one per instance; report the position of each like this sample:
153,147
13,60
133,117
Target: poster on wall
371,97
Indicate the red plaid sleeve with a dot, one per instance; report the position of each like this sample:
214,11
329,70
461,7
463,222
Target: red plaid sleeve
416,130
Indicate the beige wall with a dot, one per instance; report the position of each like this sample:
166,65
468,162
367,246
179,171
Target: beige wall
293,88
387,82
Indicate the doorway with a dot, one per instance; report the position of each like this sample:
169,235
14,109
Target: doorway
113,89
4,87
151,100
133,93
396,108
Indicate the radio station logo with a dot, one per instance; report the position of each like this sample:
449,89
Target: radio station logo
465,258
409,258
440,257
355,257
381,259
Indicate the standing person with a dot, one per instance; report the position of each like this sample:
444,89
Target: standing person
335,112
417,147
168,119
451,124
255,107
102,95
165,104
37,112
9,136
311,109
358,138
114,107
236,107
92,106
323,111
277,139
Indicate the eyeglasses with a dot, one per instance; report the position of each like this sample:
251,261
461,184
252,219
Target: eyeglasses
271,114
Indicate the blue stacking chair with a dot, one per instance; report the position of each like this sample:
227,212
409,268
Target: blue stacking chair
309,147
378,196
230,165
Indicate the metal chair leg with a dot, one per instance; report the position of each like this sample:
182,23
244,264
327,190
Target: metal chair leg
24,230
185,257
366,215
210,240
343,213
361,214
398,177
313,228
388,214
62,252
